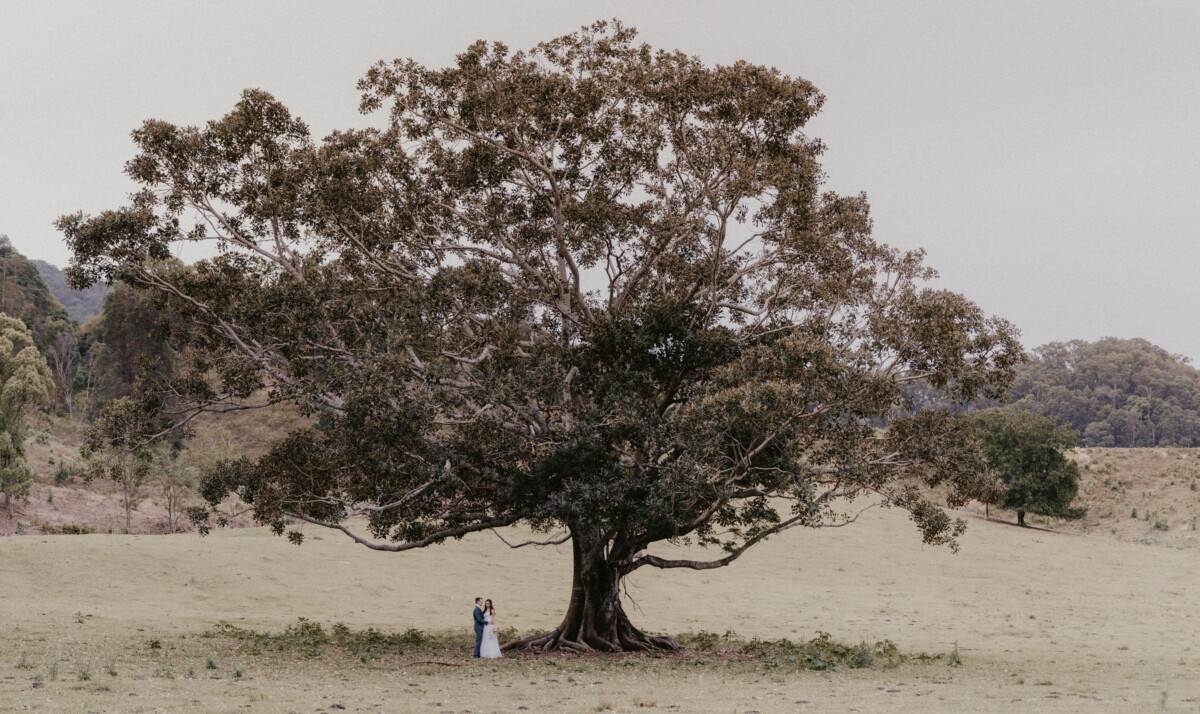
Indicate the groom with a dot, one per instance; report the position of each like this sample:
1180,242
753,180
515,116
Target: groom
479,623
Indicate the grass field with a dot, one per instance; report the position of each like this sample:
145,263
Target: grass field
1040,620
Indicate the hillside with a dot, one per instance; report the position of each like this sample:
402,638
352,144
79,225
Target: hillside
1138,495
1160,485
61,501
24,295
79,304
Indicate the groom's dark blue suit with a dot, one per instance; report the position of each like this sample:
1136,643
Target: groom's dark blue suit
479,623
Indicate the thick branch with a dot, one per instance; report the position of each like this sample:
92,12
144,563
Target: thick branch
410,545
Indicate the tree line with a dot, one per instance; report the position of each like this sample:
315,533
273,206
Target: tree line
1113,392
93,361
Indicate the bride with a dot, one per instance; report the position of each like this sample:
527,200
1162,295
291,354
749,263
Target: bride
490,649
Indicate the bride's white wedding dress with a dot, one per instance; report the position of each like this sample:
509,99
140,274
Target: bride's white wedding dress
490,648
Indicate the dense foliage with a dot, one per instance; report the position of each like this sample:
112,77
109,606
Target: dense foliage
1027,453
592,287
127,341
24,296
25,382
1113,392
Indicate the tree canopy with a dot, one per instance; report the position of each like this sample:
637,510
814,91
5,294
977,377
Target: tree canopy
1113,392
127,341
24,296
1027,453
591,287
25,382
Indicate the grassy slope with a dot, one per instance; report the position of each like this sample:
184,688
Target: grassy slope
1161,485
96,506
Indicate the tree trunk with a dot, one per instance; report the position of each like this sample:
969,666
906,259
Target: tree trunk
595,620
1021,518
128,498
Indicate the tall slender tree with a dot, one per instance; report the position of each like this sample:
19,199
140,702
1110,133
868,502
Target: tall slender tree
119,447
64,359
590,287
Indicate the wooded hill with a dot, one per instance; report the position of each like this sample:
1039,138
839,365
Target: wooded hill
1113,392
24,295
79,304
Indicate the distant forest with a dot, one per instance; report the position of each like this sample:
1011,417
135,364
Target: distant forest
1113,392
79,304
96,341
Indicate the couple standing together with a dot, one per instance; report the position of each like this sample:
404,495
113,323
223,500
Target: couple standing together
486,644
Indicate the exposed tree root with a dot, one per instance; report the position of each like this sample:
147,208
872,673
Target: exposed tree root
628,639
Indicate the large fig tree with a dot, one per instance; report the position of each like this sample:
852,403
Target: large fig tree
591,287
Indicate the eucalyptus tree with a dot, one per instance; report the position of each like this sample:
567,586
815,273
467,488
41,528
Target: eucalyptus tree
25,383
118,448
590,287
63,358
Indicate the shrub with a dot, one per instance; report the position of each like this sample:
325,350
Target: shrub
861,656
822,653
311,638
954,660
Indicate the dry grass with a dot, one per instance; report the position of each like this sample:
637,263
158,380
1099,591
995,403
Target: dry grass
1045,621
1149,496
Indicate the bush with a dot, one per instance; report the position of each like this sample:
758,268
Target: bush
311,639
62,474
820,653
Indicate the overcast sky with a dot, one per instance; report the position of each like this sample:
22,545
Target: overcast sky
1046,154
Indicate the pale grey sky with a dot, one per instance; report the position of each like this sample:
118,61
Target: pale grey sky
1046,154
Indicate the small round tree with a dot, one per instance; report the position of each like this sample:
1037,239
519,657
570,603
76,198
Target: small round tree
1027,453
590,287
25,382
